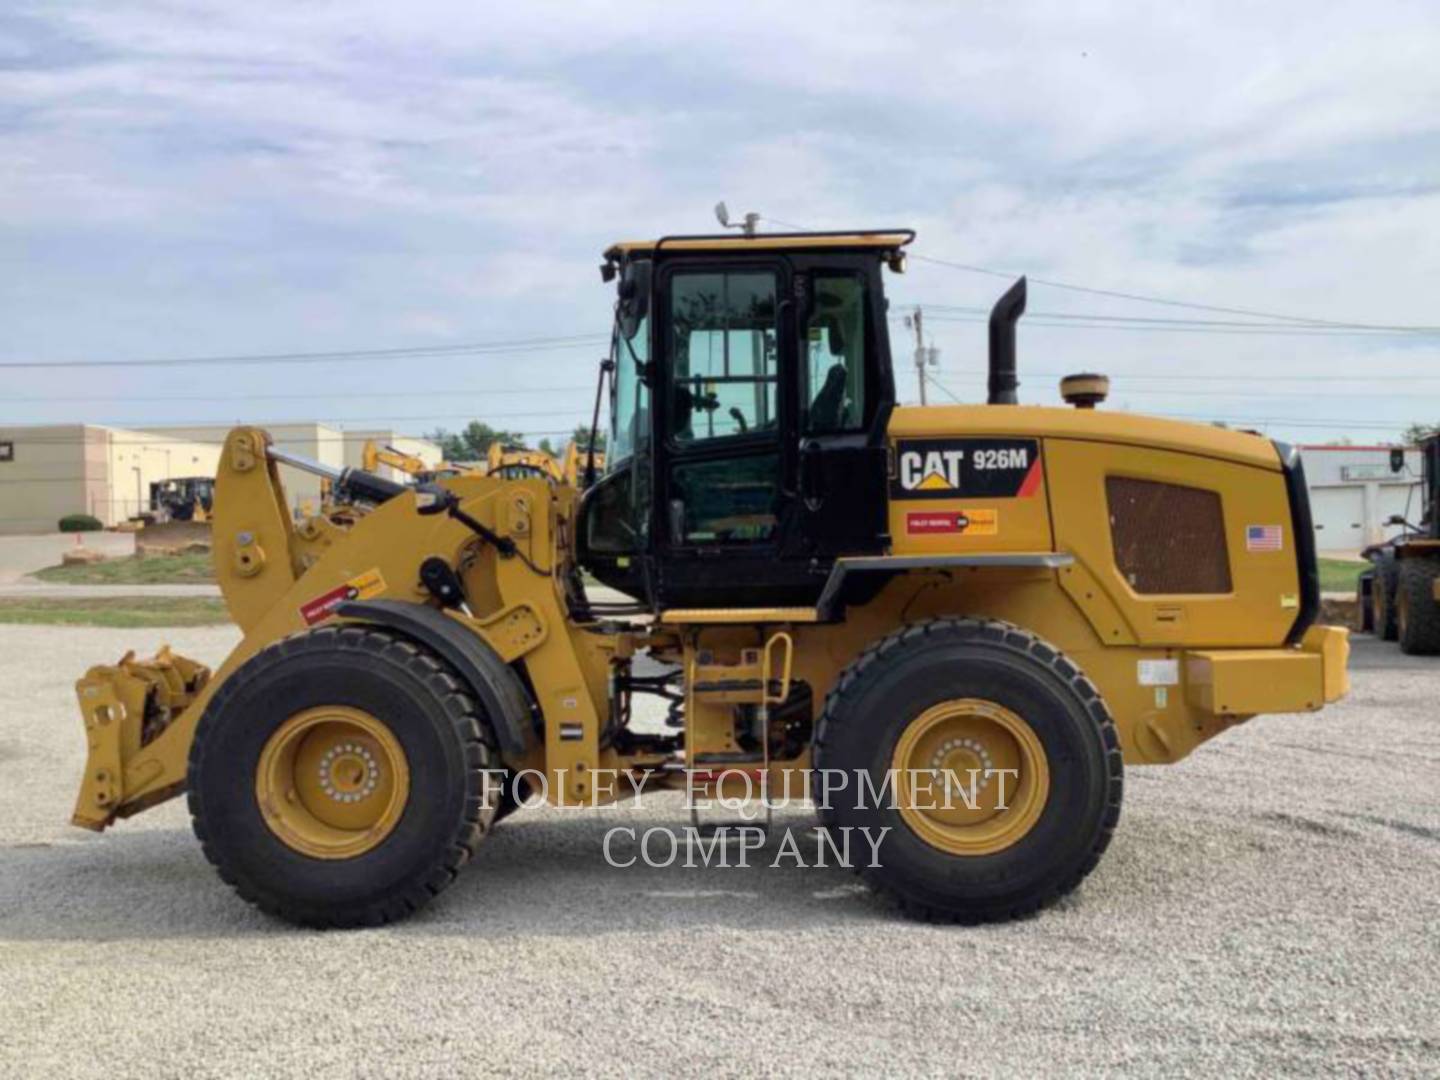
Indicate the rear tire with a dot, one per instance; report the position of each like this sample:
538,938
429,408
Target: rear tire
429,734
962,872
1382,595
1417,610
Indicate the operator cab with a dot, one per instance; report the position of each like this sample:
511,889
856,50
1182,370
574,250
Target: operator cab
751,391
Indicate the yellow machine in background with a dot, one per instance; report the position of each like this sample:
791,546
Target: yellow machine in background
951,626
573,469
180,498
518,462
373,456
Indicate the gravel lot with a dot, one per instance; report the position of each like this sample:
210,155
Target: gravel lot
1273,904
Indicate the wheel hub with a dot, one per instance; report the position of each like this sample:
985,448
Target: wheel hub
962,762
348,772
971,776
332,782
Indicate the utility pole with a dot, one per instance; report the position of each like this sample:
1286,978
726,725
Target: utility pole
917,322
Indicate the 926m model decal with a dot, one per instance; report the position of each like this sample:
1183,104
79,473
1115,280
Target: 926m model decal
966,468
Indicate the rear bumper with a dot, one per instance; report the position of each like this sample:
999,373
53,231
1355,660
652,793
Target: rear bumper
1244,682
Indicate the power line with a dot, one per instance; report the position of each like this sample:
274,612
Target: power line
278,421
154,439
1088,316
943,388
1077,322
1237,377
1369,424
1144,298
451,392
348,355
1116,393
1192,305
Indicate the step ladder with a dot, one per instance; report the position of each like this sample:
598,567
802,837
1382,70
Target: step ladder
762,679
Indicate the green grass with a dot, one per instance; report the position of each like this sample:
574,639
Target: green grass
196,569
115,611
1339,575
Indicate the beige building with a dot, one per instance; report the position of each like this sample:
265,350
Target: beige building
48,471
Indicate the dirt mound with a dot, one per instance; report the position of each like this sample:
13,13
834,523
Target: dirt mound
81,556
176,535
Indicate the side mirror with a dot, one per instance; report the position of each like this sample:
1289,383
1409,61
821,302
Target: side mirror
634,297
1395,519
1397,459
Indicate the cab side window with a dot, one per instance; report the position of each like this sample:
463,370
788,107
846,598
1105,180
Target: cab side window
834,355
725,366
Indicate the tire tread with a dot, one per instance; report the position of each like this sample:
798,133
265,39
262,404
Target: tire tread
888,650
472,730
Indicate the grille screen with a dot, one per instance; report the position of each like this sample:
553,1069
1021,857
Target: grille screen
1168,538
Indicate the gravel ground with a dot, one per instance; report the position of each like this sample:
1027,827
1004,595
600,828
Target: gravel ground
1271,905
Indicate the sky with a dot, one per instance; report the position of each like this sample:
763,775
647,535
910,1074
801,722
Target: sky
190,179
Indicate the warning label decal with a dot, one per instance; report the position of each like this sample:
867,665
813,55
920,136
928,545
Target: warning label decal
966,468
360,587
969,522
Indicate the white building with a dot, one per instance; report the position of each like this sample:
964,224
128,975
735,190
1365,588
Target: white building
1354,491
48,471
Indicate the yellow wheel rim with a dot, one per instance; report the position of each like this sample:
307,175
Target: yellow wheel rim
332,782
971,777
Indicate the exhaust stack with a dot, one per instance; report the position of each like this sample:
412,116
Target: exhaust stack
1003,317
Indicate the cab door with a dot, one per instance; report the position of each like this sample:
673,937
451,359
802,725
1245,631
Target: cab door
724,401
846,393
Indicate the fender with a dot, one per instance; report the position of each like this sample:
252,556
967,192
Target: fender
495,683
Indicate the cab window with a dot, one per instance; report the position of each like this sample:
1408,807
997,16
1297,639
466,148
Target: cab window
630,414
834,351
724,361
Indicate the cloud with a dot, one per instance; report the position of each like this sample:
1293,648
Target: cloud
180,178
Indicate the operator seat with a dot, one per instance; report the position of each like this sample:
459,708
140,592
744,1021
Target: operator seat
829,404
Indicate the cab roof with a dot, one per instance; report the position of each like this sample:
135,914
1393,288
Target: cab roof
881,241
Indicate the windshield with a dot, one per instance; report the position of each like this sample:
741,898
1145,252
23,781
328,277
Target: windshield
630,399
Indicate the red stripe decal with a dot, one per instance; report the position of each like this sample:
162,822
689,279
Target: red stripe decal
1031,483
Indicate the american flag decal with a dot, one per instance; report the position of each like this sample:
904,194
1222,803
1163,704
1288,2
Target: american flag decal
1263,537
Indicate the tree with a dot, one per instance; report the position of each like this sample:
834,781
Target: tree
1417,431
473,441
581,436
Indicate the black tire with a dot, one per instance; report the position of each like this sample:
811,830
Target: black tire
512,795
436,721
1382,595
1365,601
894,681
1417,610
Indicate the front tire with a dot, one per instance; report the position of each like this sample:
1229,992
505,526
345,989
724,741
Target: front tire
1417,609
976,698
339,777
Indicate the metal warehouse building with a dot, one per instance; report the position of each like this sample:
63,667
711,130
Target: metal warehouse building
1354,490
48,471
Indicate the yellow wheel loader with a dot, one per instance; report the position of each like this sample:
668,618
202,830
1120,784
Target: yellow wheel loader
950,627
574,466
374,455
518,462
